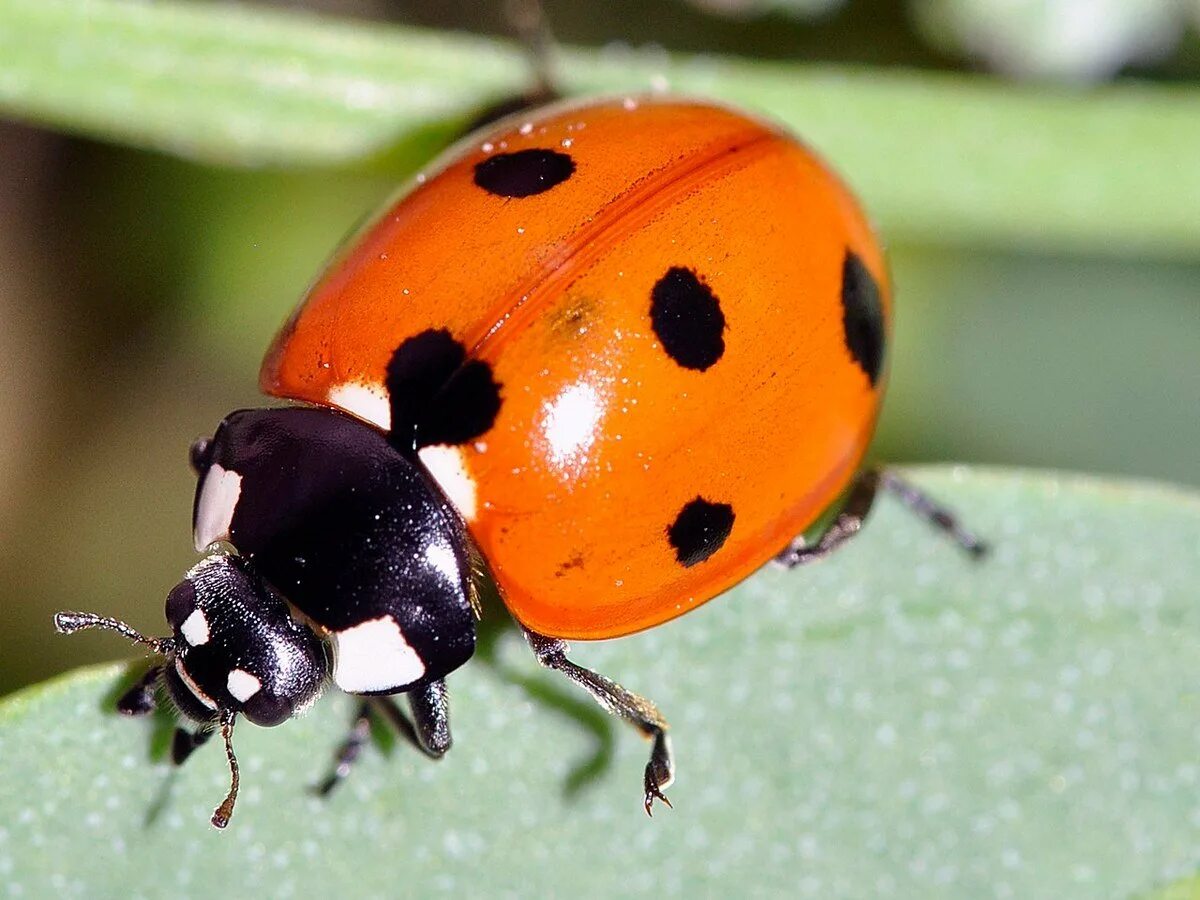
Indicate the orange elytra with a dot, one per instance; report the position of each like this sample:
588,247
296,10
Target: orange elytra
681,313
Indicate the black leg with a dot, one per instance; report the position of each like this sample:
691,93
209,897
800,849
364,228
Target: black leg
848,523
932,512
430,733
431,716
351,749
185,742
390,712
638,711
858,503
140,699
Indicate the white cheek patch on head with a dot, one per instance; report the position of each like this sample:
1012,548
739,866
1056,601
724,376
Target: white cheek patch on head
242,685
448,466
366,401
374,656
218,500
195,628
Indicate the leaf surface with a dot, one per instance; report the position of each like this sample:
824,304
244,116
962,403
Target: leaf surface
895,721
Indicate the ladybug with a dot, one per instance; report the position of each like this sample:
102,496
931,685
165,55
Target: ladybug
617,355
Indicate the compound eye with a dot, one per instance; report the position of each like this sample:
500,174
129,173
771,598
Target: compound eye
181,604
201,455
266,710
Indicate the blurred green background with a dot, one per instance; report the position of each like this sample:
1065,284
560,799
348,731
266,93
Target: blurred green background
138,290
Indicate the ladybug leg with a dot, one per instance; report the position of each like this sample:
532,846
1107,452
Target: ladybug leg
431,718
184,743
848,523
858,503
429,730
932,512
350,749
140,699
638,711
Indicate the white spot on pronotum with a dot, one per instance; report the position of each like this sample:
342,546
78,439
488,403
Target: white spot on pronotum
242,685
195,628
367,401
442,558
204,699
218,500
374,656
448,467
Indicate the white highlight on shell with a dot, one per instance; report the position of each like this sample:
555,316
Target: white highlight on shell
442,558
367,401
242,685
570,421
218,500
204,699
374,656
195,628
448,466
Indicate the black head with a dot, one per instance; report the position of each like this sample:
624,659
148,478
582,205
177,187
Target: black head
237,647
234,650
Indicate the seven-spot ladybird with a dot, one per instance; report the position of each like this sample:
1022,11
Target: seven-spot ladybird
620,353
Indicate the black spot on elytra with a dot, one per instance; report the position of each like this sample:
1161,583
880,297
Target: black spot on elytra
465,408
687,318
437,395
523,173
700,530
862,316
417,371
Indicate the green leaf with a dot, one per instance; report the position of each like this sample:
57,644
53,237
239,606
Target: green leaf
1186,889
937,158
895,722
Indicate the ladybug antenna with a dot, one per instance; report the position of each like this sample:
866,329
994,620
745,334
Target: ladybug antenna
224,812
70,622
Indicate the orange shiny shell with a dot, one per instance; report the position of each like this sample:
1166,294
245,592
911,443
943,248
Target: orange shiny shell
684,313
